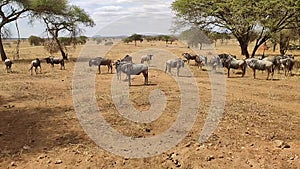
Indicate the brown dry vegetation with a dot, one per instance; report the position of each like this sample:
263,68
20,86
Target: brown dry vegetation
39,126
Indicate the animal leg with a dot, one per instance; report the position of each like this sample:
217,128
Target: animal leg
145,74
129,79
228,72
31,70
244,70
99,70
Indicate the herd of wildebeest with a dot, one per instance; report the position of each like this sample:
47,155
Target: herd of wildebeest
126,65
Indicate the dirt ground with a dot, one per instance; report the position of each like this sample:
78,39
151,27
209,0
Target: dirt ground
39,127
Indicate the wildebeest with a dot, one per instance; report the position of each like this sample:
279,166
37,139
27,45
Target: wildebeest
275,60
256,64
287,64
174,63
132,69
225,55
146,58
36,63
230,62
8,64
189,57
98,61
53,60
201,61
215,62
127,59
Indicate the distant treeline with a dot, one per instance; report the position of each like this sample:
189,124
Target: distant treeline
137,37
66,41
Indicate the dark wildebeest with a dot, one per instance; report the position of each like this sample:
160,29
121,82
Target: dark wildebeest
189,57
275,60
229,62
127,59
287,64
201,61
53,60
8,64
174,63
254,64
132,69
98,61
36,64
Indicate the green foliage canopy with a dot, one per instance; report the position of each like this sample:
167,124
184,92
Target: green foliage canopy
246,19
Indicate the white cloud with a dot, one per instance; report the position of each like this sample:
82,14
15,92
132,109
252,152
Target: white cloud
125,16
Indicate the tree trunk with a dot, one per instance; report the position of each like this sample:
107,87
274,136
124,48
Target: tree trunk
244,48
283,43
63,54
17,56
200,46
2,52
274,47
255,49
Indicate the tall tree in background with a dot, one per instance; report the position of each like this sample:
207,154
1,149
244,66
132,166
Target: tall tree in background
65,20
136,37
195,37
245,19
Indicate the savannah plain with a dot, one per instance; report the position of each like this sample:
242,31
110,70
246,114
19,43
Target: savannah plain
39,127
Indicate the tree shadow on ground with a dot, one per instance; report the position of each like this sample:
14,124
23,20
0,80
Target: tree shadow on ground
37,129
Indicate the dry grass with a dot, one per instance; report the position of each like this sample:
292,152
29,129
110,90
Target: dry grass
38,111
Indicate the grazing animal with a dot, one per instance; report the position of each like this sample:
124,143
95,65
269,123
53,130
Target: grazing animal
127,59
117,64
225,55
146,58
256,64
8,64
132,69
215,62
36,64
98,61
230,62
201,61
52,60
261,57
275,60
189,57
174,63
287,64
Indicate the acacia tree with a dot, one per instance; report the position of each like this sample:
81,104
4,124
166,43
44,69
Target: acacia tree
135,38
67,20
194,37
11,10
245,19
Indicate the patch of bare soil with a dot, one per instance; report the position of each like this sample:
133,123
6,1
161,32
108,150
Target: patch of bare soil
39,127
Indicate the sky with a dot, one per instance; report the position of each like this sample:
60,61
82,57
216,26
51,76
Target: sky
114,18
